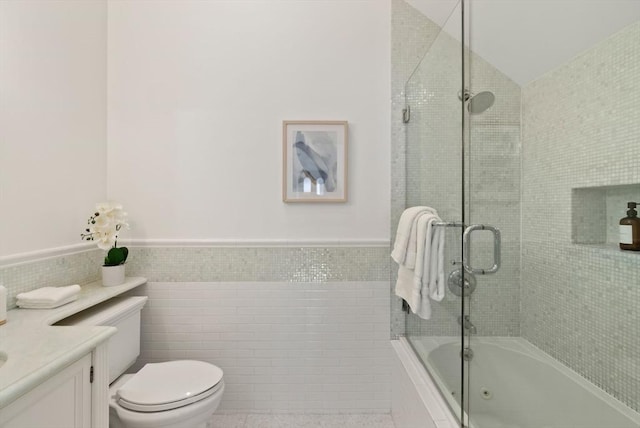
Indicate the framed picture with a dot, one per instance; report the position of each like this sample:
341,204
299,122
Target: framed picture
314,161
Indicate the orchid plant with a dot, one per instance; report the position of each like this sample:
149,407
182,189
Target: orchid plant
103,228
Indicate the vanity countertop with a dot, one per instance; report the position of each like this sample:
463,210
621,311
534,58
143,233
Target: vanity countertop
37,350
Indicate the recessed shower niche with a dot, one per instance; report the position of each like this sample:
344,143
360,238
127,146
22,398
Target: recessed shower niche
596,213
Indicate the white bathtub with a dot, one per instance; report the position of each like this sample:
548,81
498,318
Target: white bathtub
515,385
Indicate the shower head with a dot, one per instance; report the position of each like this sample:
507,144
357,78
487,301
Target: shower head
481,102
477,103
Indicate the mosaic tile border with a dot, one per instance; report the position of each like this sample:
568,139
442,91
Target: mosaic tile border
78,268
290,264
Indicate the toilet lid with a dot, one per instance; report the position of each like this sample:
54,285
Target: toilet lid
171,384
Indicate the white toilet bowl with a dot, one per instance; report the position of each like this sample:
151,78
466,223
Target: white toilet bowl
175,394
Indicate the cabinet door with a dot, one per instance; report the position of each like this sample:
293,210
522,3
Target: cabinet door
64,401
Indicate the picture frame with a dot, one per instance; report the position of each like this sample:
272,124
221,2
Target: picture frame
314,154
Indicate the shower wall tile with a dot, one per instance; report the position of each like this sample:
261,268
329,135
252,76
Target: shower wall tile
588,226
494,181
433,176
581,129
411,35
482,76
433,166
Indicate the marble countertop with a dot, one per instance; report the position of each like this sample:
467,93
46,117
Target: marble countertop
37,350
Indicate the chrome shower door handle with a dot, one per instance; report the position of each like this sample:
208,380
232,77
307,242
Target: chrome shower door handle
466,249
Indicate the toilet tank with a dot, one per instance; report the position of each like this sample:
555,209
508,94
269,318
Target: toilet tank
124,314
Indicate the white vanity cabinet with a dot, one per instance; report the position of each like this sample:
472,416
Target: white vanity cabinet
75,397
57,376
63,401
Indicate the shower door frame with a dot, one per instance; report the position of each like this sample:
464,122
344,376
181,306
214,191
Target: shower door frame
454,214
465,339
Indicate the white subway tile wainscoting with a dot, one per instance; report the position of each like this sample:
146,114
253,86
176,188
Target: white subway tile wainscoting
284,347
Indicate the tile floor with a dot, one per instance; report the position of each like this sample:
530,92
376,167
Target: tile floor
243,420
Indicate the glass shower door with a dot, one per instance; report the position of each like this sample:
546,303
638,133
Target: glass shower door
491,241
443,119
435,177
495,155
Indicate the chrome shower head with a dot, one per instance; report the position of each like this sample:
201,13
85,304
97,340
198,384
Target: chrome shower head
477,103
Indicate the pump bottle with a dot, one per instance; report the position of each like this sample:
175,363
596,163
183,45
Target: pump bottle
630,229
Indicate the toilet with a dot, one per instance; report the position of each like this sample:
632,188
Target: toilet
172,394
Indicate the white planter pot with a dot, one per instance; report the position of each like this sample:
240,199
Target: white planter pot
112,275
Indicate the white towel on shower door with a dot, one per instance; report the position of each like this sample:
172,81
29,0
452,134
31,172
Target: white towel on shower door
436,283
405,245
426,281
429,280
406,283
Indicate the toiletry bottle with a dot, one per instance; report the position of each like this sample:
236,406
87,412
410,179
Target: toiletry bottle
630,229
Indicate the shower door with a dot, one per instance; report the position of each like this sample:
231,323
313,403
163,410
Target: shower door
436,177
543,161
445,118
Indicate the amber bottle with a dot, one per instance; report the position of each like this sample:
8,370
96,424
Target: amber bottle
630,229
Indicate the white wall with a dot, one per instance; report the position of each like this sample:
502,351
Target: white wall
52,121
197,94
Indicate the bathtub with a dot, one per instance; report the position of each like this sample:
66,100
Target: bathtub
515,385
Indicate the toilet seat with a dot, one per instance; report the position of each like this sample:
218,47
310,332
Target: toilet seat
169,385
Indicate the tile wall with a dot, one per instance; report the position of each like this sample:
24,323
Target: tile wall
581,130
275,263
433,174
284,347
493,197
295,329
289,264
78,268
411,35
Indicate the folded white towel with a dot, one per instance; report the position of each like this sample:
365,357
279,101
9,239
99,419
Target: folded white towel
49,295
31,305
405,246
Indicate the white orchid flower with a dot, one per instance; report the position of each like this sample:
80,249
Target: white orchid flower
107,207
105,241
105,224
